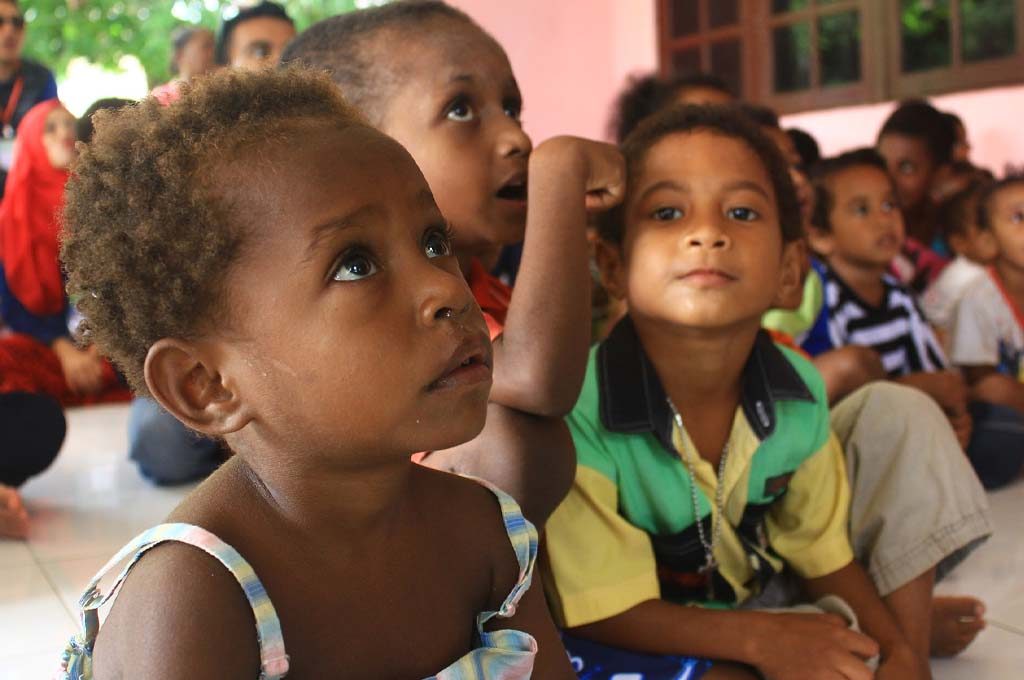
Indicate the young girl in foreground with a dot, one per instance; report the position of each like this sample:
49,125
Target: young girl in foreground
275,273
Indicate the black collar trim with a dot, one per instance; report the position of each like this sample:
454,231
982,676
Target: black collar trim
633,401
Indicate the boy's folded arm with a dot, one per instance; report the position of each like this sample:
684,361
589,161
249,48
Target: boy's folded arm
852,584
179,616
541,356
660,627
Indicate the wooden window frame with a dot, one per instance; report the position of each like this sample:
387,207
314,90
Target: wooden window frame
880,54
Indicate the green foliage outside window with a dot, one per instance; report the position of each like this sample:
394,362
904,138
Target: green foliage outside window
104,31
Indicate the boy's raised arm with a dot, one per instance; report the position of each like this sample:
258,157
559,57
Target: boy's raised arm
540,358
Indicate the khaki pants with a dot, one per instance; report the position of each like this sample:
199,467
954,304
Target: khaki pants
916,502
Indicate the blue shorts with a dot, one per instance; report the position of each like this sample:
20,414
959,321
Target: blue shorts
594,661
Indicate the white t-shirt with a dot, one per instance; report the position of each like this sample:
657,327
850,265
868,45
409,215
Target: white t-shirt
985,330
944,294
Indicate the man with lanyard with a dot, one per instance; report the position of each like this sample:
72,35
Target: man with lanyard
23,82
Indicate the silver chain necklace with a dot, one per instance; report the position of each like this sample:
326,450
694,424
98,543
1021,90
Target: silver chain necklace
710,563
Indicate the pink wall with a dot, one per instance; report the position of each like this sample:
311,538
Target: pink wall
992,118
570,57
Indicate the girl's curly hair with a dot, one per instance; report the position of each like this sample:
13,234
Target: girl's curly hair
149,234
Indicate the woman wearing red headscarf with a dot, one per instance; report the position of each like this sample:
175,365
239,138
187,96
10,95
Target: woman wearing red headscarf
41,369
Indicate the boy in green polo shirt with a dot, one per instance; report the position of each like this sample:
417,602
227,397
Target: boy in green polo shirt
706,467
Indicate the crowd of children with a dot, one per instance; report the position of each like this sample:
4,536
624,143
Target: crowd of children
758,462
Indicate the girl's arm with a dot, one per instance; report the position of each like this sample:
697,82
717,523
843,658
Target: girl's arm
781,646
179,616
540,358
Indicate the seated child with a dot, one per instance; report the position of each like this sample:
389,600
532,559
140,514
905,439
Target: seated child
858,229
706,466
312,316
988,326
972,250
450,97
916,142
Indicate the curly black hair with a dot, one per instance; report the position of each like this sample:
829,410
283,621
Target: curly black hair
828,167
725,120
150,234
355,48
645,95
989,192
918,119
84,125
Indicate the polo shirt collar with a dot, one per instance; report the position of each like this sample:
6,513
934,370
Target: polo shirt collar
633,401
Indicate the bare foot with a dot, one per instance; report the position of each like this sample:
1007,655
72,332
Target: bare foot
13,515
956,621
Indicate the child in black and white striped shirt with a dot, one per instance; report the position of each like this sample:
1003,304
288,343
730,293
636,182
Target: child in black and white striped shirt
858,229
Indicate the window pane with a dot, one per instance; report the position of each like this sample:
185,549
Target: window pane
727,63
791,46
684,17
783,6
839,48
685,62
924,33
723,13
987,29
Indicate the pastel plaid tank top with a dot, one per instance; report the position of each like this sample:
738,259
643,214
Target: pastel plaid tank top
498,655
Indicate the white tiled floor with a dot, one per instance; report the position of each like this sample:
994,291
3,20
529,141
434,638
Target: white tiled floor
92,501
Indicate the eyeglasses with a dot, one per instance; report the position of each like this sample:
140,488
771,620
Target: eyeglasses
17,23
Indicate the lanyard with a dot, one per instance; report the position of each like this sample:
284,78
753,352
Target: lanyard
12,105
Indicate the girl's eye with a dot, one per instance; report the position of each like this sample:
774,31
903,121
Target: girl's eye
437,244
460,110
354,267
907,168
888,206
743,214
1017,217
860,209
667,214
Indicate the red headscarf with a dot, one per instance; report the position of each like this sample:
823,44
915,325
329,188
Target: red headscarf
29,224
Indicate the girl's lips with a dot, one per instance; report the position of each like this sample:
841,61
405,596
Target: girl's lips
708,278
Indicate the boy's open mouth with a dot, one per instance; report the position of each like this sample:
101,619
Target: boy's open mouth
514,190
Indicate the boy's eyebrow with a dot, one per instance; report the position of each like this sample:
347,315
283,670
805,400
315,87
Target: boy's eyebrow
731,186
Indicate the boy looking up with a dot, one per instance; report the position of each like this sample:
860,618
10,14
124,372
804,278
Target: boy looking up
450,97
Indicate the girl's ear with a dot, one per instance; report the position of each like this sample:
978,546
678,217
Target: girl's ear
184,379
611,266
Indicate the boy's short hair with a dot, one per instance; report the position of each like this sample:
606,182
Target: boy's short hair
644,96
989,192
828,167
265,9
346,47
149,236
954,213
918,119
724,120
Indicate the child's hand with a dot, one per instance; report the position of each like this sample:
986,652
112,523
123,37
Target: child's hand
83,368
813,647
599,165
